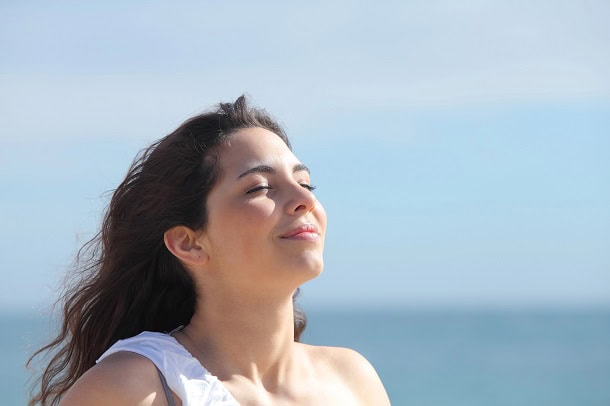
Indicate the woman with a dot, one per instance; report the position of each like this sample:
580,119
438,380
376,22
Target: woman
188,295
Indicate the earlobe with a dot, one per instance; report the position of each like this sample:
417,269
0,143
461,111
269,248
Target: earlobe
183,243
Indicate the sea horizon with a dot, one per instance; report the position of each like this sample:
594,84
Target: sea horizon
429,355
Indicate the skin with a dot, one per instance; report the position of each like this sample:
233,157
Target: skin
246,264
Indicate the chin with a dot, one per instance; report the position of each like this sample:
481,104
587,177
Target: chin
309,269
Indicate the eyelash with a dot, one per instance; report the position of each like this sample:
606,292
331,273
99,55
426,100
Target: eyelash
309,187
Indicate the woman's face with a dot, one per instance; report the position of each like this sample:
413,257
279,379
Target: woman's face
265,227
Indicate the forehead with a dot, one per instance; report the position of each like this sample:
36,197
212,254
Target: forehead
254,146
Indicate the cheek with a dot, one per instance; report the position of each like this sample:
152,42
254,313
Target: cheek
244,236
248,224
255,213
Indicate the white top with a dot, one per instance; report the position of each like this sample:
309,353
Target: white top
186,377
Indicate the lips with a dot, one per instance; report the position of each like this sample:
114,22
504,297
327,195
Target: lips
305,231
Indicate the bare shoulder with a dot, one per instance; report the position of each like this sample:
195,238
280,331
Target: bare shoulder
356,371
123,378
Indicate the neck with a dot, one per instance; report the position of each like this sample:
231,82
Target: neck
251,337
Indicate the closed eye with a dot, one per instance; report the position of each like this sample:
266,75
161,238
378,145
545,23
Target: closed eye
258,188
255,189
309,187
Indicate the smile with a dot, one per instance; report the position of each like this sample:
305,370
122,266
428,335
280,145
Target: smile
306,232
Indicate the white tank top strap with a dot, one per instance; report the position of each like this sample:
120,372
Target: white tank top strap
185,375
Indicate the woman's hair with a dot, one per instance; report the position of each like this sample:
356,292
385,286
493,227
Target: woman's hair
126,280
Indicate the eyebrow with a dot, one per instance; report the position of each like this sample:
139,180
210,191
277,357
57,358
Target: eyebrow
268,169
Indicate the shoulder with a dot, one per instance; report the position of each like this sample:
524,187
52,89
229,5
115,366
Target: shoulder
123,378
356,371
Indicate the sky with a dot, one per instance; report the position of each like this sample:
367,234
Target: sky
459,148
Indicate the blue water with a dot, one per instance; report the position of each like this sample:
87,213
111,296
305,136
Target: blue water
442,357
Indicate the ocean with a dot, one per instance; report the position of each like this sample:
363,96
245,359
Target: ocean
429,357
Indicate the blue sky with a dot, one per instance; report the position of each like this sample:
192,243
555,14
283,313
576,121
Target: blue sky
460,149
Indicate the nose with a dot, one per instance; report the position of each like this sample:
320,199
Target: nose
301,200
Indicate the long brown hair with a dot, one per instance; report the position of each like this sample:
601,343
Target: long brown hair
126,281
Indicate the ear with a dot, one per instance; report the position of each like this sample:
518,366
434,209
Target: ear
185,245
